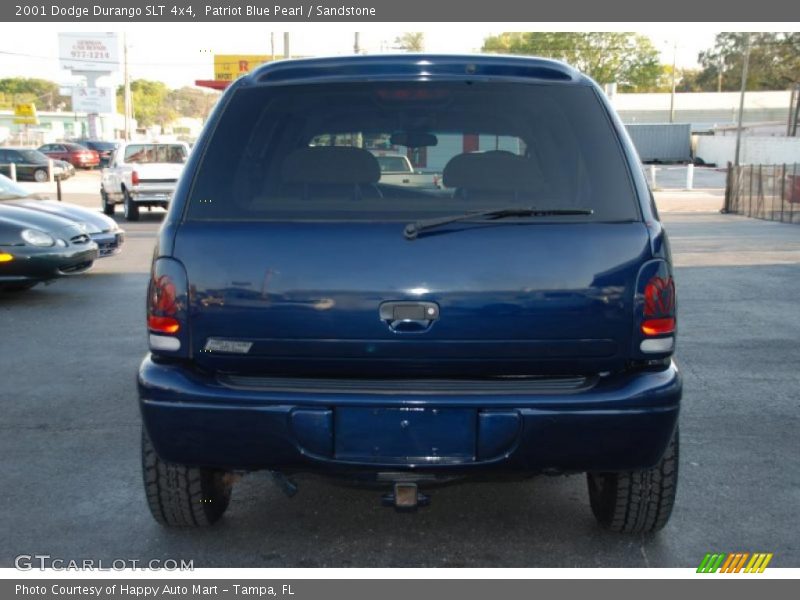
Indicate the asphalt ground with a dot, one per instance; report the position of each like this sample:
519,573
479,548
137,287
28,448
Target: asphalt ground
69,433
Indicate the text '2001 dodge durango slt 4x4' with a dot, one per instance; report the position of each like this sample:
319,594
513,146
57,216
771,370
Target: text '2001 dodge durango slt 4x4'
305,317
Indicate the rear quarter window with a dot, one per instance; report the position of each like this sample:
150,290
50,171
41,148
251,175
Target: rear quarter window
312,152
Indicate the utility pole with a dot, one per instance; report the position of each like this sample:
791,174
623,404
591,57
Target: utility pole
286,52
272,45
128,103
672,95
357,43
745,67
720,66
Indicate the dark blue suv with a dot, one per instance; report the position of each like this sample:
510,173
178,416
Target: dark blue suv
307,315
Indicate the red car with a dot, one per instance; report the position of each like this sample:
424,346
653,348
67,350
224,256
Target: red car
75,154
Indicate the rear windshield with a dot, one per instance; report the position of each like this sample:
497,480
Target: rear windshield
155,153
389,164
314,153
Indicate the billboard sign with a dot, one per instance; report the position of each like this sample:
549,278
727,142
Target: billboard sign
93,100
89,51
228,67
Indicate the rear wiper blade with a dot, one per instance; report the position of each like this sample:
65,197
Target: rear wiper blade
413,229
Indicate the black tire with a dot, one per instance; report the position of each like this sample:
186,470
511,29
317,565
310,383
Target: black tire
108,207
181,496
636,501
40,176
131,208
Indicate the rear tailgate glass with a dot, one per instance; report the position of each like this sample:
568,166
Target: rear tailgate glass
309,152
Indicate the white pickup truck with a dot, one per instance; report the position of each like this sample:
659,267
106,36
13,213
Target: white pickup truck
142,174
396,169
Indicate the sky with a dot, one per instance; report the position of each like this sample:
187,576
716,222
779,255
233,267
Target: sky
179,54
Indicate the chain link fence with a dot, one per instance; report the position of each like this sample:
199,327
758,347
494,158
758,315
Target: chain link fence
770,192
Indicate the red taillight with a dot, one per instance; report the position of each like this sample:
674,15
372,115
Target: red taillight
162,306
658,326
167,308
659,297
163,324
164,295
659,307
135,178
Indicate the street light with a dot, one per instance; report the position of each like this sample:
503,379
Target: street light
128,99
672,95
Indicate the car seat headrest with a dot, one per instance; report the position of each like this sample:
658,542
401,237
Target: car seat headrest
330,165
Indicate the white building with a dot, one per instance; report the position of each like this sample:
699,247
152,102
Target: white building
705,111
58,125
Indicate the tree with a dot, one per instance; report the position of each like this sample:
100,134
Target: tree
411,42
774,62
151,104
192,102
628,59
688,80
43,93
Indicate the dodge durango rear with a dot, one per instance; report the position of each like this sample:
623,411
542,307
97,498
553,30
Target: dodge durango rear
307,315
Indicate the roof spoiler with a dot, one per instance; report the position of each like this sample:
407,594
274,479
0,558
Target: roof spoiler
414,67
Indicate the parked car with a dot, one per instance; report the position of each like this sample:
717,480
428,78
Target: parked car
36,247
302,317
103,148
396,169
104,231
67,169
75,154
30,164
142,174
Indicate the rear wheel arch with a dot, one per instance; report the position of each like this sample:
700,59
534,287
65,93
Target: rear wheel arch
637,501
183,496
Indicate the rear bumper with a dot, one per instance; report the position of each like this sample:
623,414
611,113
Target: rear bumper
152,194
619,423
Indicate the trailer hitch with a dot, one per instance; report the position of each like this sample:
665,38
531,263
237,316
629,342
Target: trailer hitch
405,497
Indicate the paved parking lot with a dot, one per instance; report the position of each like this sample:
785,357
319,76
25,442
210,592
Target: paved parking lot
69,435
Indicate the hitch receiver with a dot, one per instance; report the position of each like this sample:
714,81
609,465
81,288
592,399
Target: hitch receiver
405,498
